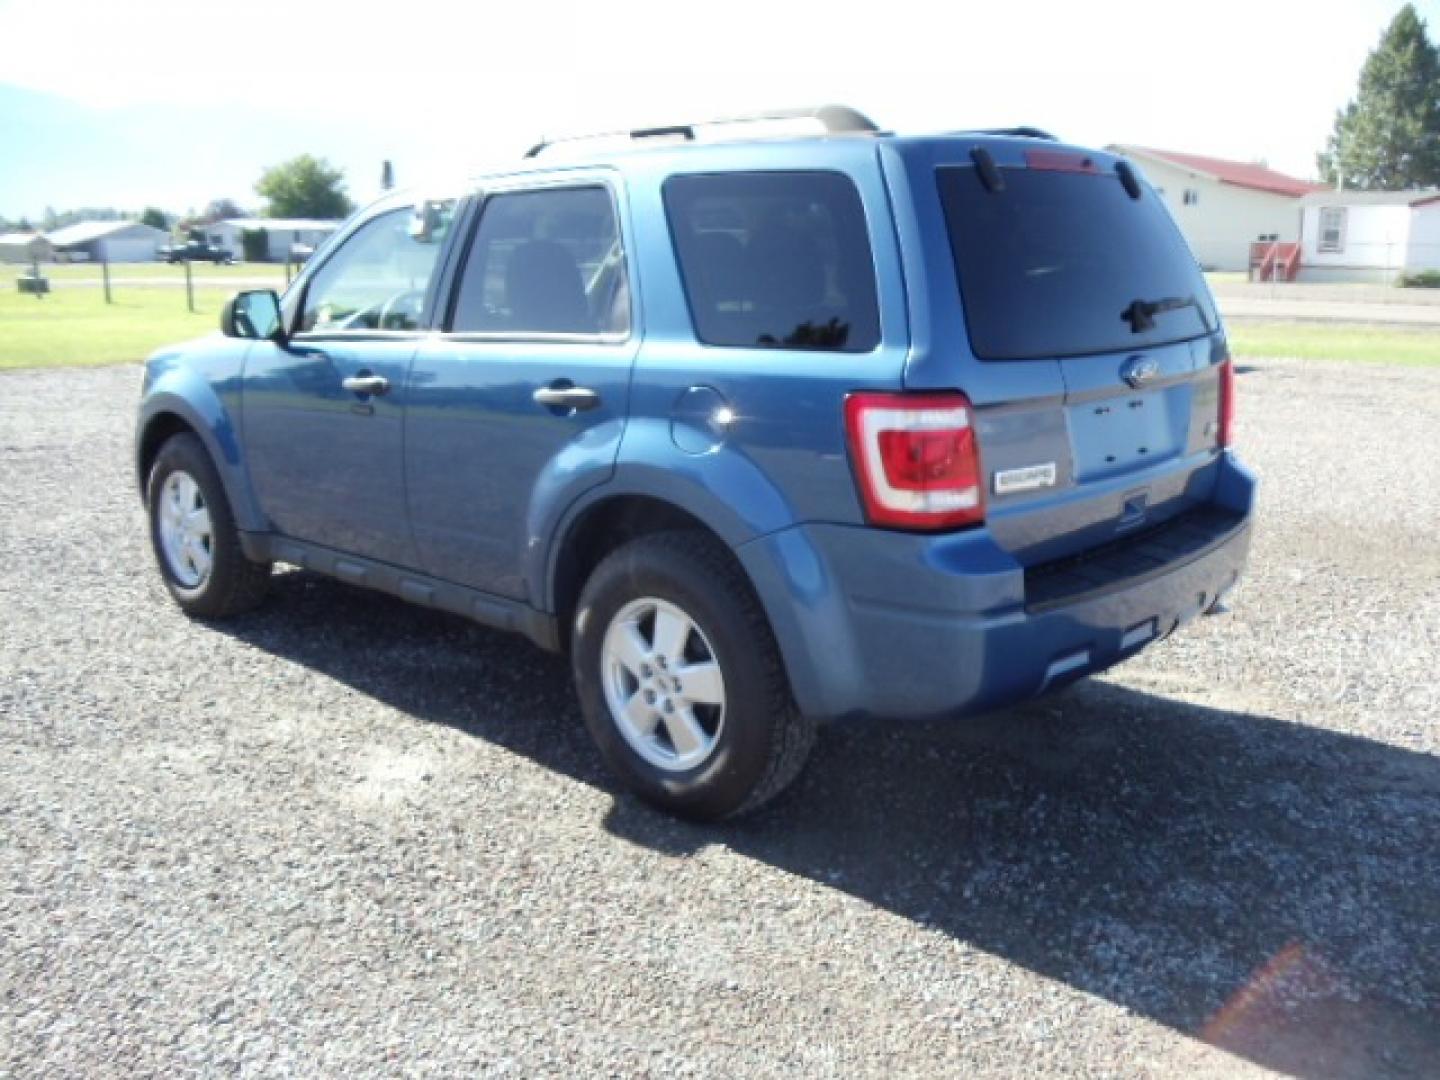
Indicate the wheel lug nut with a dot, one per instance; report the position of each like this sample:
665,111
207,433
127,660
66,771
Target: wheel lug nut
649,697
645,671
669,705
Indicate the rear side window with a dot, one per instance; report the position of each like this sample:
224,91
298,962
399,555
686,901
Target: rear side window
775,260
545,262
1053,263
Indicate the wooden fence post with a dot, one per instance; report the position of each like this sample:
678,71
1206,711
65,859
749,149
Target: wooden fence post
189,287
105,274
36,285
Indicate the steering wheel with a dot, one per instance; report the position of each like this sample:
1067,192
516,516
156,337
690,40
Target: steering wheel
388,310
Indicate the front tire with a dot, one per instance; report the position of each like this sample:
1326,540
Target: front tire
681,682
193,533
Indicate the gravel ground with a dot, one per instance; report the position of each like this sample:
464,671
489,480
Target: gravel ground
344,836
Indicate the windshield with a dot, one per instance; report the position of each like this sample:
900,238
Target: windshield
1054,264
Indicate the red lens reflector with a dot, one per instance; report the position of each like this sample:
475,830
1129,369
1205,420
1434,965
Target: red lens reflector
928,460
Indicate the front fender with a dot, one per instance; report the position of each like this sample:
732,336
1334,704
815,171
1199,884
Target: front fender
208,402
722,488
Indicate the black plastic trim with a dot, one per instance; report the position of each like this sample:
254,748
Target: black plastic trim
1130,560
499,612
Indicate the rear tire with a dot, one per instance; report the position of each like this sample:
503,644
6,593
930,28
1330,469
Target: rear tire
193,533
670,615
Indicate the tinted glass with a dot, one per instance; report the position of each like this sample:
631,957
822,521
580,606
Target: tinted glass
377,278
1051,265
775,260
545,262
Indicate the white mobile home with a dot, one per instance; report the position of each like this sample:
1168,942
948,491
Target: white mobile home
106,241
24,247
1222,206
281,234
1369,235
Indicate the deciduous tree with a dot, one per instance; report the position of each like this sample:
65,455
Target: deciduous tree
222,210
305,187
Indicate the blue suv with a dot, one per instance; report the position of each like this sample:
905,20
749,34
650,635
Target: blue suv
761,432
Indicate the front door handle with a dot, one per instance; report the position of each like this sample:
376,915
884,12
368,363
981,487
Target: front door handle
565,396
366,384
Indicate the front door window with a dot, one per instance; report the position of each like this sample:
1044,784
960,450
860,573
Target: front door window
377,280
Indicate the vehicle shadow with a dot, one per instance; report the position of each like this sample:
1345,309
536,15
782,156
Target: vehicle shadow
1266,887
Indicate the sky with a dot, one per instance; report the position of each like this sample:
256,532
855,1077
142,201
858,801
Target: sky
131,103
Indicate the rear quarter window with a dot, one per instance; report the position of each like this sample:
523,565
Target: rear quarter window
1049,264
775,260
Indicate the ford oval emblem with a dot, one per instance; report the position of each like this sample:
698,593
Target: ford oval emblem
1139,370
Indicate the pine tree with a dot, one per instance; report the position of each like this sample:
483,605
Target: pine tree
1388,138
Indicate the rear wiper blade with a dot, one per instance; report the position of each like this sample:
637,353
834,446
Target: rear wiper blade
1141,313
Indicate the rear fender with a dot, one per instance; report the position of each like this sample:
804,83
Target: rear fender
723,489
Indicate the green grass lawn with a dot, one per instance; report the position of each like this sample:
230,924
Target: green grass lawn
75,327
1335,341
62,274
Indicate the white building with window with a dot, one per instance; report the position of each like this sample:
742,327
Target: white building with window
106,241
281,234
1369,235
24,247
1221,206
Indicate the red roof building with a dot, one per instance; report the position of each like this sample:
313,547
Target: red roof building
1243,174
1223,206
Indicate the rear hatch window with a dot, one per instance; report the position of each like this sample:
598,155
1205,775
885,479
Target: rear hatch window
1053,263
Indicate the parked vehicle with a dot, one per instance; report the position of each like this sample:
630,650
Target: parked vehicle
194,250
761,433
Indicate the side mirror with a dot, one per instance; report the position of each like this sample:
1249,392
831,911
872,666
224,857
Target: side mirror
254,315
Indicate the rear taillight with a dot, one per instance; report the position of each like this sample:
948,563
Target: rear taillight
916,459
1227,403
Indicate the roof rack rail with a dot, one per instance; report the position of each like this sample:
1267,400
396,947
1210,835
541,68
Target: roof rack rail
835,119
1014,132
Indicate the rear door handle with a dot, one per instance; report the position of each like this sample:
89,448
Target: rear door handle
366,384
562,396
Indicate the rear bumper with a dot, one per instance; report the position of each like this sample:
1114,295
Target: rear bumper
877,623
